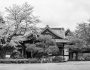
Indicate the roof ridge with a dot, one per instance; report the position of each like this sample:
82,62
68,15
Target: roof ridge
47,27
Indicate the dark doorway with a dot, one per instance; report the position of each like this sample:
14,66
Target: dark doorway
28,54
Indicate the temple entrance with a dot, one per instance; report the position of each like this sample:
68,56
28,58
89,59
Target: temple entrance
28,54
60,51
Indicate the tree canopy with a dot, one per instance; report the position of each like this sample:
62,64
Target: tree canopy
18,24
43,44
83,33
19,21
81,37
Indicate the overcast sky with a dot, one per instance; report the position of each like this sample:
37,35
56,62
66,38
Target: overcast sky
56,13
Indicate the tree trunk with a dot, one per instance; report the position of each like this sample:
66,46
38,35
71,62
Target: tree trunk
11,36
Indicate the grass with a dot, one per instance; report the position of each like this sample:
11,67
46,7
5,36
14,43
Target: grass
48,66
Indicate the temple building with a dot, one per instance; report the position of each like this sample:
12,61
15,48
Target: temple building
59,35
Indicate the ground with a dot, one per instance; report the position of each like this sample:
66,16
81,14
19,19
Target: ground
48,66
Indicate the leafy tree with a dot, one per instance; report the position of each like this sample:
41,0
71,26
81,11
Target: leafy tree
76,39
19,17
40,46
20,23
31,48
52,50
80,38
48,44
83,33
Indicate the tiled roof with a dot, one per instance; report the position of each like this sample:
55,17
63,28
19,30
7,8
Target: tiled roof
57,31
66,37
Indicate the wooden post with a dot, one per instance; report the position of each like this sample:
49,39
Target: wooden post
70,54
63,51
76,56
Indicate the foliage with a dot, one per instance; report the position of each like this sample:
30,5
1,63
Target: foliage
16,55
19,24
77,42
80,38
48,45
5,51
52,50
41,45
19,13
83,33
20,19
57,59
31,48
46,39
1,19
19,61
68,32
46,59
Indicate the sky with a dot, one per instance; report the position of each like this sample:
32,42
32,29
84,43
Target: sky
56,13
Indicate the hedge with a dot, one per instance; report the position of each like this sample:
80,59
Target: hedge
52,59
19,60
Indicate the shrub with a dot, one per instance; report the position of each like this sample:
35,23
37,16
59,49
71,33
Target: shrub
44,60
58,59
20,60
87,58
81,58
34,60
16,55
52,59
